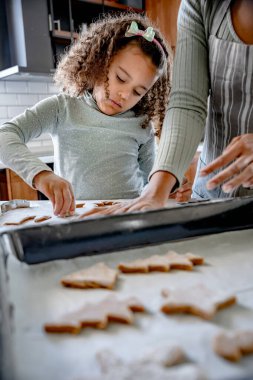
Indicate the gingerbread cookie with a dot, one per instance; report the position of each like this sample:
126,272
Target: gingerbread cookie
80,205
232,345
106,203
170,260
113,367
165,356
94,211
97,315
97,276
40,219
22,221
197,300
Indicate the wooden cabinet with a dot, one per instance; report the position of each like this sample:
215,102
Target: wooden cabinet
13,187
164,14
17,188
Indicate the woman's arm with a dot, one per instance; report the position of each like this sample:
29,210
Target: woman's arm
185,119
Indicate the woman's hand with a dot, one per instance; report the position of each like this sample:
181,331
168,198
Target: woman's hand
155,196
239,157
57,190
183,193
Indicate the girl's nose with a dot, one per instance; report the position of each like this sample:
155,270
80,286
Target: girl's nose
124,95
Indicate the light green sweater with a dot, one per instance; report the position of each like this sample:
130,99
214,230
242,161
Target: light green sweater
103,157
184,123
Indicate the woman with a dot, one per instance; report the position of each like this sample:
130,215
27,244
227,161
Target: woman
212,90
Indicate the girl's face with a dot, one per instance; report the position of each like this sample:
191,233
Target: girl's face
131,75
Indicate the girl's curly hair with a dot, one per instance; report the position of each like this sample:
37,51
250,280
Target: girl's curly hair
90,56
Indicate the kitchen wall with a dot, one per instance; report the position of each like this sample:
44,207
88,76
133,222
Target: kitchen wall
16,96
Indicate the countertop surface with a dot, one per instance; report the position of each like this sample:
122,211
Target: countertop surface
38,297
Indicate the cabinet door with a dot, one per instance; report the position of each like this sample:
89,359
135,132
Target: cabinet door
3,186
164,14
30,45
17,188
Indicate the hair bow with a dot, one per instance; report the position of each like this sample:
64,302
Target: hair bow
133,30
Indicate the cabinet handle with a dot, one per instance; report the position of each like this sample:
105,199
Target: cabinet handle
50,23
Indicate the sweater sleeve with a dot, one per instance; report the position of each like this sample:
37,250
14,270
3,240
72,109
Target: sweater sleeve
147,157
185,119
42,118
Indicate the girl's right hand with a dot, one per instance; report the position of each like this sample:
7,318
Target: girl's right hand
58,191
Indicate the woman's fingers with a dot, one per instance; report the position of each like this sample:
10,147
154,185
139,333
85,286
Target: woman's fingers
184,196
236,148
245,178
248,182
183,193
226,157
238,158
234,175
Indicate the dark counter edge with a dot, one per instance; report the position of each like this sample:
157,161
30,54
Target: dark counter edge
119,232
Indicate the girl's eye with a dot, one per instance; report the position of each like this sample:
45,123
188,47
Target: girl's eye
136,93
120,79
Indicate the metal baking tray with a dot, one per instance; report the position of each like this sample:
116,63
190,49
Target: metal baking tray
114,233
7,371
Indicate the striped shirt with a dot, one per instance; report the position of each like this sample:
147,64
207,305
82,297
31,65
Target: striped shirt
185,120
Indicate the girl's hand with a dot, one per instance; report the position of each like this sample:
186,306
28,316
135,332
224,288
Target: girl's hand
58,191
239,156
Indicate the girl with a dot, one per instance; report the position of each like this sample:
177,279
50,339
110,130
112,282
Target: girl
115,82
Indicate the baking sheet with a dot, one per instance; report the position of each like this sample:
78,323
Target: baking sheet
38,297
6,343
71,238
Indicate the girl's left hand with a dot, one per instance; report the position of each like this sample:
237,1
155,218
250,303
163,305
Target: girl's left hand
239,157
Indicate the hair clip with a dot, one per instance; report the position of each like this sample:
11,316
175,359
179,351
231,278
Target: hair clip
148,34
133,30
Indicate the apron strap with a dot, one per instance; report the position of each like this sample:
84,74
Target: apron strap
219,15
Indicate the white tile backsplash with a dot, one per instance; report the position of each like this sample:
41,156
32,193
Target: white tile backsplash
16,96
37,88
7,99
2,86
2,120
3,111
15,110
52,89
24,99
16,87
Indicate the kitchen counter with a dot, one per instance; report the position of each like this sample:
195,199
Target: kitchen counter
38,297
